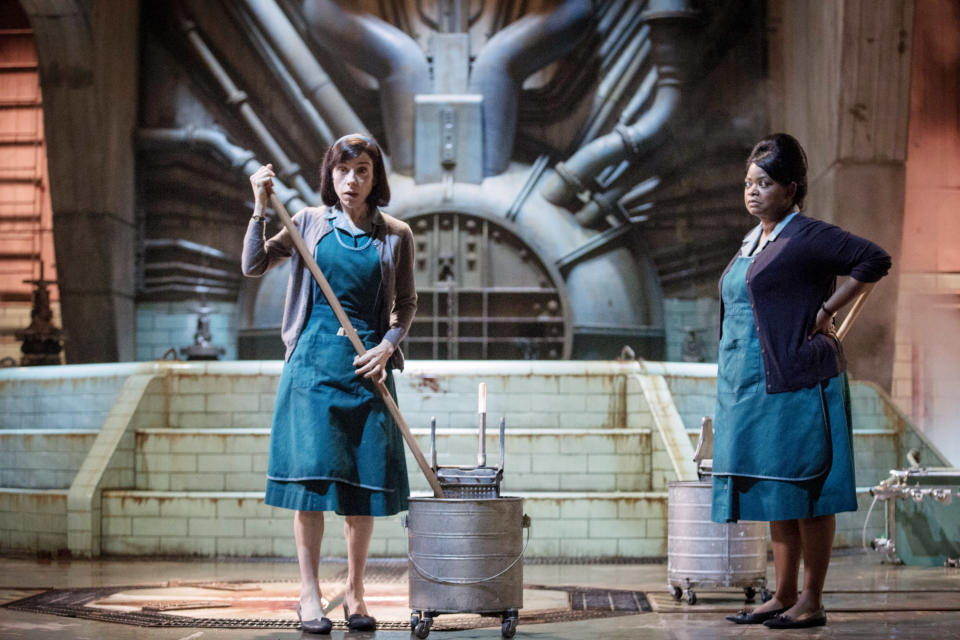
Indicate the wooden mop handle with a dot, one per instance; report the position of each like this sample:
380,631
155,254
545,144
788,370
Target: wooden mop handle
348,328
854,311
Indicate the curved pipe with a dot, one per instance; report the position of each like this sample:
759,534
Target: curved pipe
237,157
508,58
386,53
671,53
600,206
575,175
322,93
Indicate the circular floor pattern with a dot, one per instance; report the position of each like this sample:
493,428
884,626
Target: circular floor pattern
266,604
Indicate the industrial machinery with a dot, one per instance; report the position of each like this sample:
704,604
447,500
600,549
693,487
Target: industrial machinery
922,528
564,165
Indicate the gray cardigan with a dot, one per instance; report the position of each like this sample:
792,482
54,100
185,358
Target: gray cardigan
393,241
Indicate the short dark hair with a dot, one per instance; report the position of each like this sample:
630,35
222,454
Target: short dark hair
347,148
783,159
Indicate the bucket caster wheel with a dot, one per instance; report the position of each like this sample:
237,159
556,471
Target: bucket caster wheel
749,593
691,597
509,626
765,594
414,620
677,593
422,628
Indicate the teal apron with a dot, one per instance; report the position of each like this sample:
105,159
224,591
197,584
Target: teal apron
777,456
334,445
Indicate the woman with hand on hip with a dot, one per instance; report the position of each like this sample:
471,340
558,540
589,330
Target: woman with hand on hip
783,440
333,444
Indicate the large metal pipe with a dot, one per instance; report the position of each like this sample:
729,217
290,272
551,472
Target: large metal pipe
238,99
291,87
291,48
386,53
671,52
508,58
236,157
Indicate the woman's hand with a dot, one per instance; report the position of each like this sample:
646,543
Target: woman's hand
847,291
262,186
375,362
823,324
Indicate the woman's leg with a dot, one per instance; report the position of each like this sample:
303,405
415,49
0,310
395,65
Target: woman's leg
308,533
357,530
786,542
817,543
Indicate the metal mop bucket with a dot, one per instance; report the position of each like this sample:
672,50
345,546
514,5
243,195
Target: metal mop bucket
703,553
465,551
465,557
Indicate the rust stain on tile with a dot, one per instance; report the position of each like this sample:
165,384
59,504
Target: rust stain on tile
429,383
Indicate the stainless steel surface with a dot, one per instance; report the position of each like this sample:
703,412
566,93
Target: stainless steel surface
919,514
470,550
482,440
473,483
470,483
702,553
503,428
703,456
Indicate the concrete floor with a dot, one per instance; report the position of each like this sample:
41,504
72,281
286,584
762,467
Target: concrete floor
865,599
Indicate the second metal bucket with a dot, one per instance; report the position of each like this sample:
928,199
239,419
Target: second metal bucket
465,556
701,552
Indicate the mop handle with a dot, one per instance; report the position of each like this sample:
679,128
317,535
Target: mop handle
854,311
351,332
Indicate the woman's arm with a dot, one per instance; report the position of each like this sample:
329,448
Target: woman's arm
374,363
844,294
840,252
405,305
259,254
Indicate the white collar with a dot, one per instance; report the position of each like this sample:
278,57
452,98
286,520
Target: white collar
751,238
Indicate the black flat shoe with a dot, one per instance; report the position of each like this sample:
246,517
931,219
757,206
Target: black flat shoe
358,621
749,617
816,618
317,625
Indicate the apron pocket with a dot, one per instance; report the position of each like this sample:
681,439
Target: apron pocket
741,368
326,359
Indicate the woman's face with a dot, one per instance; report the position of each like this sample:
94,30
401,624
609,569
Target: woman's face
353,180
764,196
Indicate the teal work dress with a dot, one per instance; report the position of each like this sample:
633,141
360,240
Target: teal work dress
334,445
777,456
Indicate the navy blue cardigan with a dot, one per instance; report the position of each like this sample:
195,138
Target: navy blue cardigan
787,282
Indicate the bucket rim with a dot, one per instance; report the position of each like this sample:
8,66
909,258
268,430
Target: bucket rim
465,500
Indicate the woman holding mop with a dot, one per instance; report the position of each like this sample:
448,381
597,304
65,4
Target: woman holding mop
333,444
